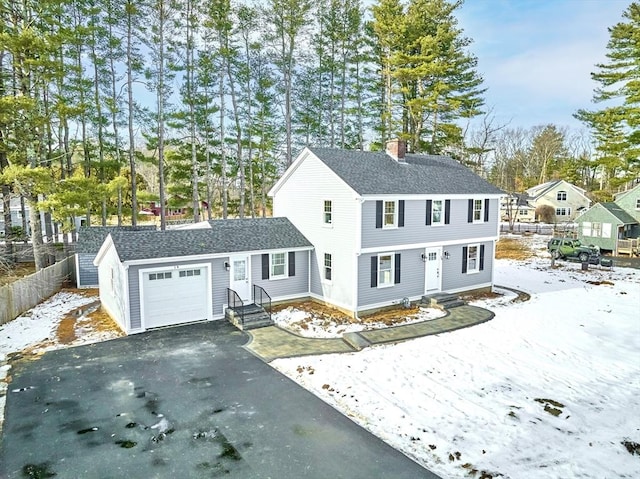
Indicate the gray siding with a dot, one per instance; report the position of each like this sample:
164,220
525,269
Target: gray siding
293,285
220,283
416,232
88,273
316,285
453,279
134,286
411,280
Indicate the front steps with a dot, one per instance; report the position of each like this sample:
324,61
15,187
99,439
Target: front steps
254,317
442,300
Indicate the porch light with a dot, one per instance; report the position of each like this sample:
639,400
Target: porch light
227,266
447,255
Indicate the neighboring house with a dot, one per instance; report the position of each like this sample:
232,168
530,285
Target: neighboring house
20,216
630,201
150,279
517,207
388,226
613,226
90,239
568,200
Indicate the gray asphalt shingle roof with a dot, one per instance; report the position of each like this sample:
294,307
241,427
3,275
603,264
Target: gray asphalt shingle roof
619,213
90,238
224,236
376,173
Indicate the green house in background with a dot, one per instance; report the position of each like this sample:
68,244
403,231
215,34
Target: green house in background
613,226
629,201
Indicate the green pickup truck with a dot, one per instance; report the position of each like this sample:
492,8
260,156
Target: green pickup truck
563,248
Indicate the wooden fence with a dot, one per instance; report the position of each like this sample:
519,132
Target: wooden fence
24,294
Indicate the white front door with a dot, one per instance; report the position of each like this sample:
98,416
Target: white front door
239,280
433,265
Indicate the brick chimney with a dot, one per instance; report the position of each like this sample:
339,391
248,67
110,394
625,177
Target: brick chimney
396,149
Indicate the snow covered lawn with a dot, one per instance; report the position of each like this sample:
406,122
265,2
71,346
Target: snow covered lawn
52,325
550,388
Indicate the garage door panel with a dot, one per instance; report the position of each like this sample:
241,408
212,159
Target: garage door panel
175,296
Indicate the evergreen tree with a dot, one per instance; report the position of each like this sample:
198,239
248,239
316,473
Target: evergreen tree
616,126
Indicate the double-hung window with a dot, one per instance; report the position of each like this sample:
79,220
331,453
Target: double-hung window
385,270
561,196
278,265
328,212
389,215
437,218
596,230
327,267
473,262
477,210
638,204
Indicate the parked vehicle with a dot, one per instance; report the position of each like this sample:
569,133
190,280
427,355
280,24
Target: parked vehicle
563,248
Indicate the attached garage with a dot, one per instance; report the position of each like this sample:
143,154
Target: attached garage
175,295
152,279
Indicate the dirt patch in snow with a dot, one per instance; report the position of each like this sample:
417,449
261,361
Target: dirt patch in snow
513,248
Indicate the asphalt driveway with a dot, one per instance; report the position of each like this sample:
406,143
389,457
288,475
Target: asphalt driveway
181,402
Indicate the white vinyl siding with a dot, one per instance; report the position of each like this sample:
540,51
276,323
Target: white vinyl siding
295,199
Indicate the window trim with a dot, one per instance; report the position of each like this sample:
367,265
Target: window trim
566,209
477,258
638,203
561,195
442,213
479,211
327,214
391,270
285,265
327,269
384,214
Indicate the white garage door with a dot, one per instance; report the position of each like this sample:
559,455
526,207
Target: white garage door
175,296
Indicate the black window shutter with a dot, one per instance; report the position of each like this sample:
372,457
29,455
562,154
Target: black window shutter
396,278
265,266
486,210
481,257
401,213
429,206
374,271
447,211
464,259
292,263
378,214
470,212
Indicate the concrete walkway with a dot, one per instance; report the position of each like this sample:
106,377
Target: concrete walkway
273,342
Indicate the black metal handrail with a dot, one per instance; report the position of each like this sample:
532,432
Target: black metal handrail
233,301
262,298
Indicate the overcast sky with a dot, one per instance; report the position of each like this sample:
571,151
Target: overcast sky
536,55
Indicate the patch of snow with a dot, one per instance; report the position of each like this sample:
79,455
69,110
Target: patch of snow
40,323
307,324
550,388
